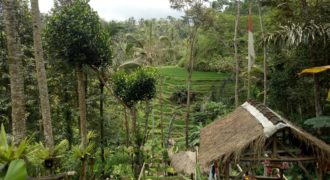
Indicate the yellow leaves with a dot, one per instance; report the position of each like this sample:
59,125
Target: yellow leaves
314,70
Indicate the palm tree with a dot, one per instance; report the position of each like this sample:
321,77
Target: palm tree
41,76
15,70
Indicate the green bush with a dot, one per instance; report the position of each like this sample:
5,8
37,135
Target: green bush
135,86
209,111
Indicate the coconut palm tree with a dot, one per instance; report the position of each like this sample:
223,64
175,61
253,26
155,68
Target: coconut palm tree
15,70
41,76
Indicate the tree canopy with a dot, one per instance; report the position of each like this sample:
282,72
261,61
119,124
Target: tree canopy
74,34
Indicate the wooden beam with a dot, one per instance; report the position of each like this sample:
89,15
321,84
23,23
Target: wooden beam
65,175
265,178
278,151
280,159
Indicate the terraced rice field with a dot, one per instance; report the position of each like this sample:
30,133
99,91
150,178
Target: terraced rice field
174,78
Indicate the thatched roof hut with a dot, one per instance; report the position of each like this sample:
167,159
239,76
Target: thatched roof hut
249,129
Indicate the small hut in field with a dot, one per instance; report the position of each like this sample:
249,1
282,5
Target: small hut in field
253,134
184,162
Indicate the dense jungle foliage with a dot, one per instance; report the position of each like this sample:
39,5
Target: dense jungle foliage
118,89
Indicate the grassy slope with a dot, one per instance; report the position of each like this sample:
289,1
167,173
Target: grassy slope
175,77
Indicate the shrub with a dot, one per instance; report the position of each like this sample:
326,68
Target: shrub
138,85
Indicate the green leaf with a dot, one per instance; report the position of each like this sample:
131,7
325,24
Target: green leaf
3,138
62,147
21,148
16,170
319,122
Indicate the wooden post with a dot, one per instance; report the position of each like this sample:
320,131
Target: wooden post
319,172
227,171
141,172
274,148
281,174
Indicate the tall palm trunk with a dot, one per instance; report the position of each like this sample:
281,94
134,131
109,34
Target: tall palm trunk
82,106
190,70
82,114
236,55
15,70
41,76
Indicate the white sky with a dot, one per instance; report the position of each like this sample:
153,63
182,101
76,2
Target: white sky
123,9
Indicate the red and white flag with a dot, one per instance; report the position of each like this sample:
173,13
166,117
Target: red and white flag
251,53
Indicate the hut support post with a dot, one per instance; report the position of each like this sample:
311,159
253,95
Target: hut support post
300,164
239,176
319,172
281,174
274,148
227,171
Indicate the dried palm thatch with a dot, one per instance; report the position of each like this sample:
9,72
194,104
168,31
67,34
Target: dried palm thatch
184,162
248,127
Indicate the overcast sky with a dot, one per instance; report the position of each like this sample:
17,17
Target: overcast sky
123,9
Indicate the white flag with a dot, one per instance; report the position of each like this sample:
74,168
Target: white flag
251,53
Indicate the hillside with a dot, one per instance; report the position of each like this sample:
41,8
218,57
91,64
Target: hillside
174,79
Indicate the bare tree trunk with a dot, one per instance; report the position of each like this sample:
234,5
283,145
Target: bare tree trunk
190,71
318,108
127,127
161,111
132,111
68,118
146,124
82,106
265,57
41,76
82,114
102,126
15,70
236,55
304,7
137,142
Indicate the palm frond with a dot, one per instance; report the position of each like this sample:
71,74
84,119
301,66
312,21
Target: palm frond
295,34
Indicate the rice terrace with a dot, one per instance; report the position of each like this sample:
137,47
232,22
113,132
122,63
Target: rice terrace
164,90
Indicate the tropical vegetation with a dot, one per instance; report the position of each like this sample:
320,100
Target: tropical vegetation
105,98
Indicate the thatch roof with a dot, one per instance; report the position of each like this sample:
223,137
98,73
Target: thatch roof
249,126
184,162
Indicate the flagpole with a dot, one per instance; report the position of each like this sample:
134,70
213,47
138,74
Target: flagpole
249,58
236,54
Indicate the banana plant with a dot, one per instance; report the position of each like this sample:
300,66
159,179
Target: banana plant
8,152
16,170
38,153
80,152
11,164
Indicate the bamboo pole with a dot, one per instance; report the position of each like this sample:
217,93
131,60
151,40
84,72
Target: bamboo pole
236,55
